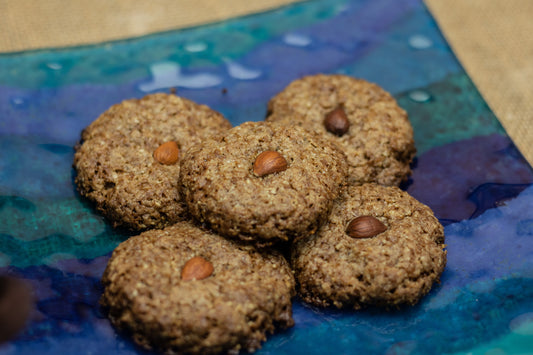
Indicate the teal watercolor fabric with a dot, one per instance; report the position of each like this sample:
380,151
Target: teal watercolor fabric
467,169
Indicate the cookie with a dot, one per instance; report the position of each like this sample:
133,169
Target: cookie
362,118
120,168
227,301
16,306
390,255
223,184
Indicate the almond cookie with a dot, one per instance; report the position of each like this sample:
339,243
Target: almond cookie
262,182
362,118
127,162
380,247
16,306
186,290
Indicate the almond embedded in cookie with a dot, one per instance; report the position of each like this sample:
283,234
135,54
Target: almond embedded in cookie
229,300
262,182
360,117
128,159
394,267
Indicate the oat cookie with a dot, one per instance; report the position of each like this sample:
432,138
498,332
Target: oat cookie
120,168
352,270
16,306
362,118
245,296
223,184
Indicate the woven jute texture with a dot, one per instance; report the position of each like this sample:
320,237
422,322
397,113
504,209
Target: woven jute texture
493,40
32,24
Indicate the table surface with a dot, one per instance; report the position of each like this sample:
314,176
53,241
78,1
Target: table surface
467,170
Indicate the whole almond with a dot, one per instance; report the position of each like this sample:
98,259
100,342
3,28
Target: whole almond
196,268
337,122
167,153
365,227
269,162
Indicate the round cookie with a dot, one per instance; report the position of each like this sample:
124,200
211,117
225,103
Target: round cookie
221,189
247,295
395,267
16,306
116,166
366,121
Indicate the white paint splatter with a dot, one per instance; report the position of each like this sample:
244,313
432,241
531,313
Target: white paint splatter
54,66
420,42
168,74
298,40
238,71
196,47
419,96
523,324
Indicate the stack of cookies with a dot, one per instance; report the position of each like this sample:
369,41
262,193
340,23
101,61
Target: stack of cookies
234,222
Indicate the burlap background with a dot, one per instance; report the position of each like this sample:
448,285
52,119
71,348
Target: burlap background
30,24
492,38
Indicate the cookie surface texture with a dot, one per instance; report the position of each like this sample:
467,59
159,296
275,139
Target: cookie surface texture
117,165
377,138
247,295
222,190
393,268
16,305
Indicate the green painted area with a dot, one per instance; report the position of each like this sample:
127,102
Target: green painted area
42,218
517,342
33,231
453,111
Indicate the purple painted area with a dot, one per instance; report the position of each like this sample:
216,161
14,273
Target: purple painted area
454,171
490,247
56,115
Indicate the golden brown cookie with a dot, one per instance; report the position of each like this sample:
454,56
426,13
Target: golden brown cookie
128,160
16,306
185,290
262,182
360,117
380,247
